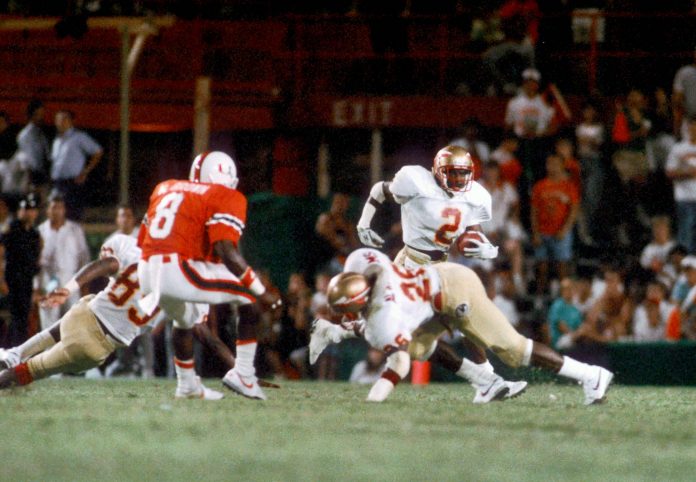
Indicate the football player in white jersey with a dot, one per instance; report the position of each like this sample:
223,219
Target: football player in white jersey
406,311
87,334
436,208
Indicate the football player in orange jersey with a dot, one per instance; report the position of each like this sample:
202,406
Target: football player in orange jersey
190,254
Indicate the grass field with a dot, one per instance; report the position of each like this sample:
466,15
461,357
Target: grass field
76,429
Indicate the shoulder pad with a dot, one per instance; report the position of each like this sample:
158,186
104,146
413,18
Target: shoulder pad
411,181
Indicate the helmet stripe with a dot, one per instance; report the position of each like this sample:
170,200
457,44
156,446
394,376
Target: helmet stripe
197,167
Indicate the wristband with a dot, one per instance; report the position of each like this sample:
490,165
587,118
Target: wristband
72,286
251,281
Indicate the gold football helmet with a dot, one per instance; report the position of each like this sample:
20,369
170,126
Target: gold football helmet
453,169
348,292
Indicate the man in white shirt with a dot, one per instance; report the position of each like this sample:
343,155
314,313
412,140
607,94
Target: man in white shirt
681,169
684,98
64,252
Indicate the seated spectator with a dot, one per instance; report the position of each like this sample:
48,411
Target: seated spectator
294,333
564,317
15,175
368,371
650,317
583,296
504,155
608,319
654,255
6,216
337,235
683,325
678,261
502,290
504,229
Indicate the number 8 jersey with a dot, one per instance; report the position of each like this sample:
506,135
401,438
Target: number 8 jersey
187,218
431,218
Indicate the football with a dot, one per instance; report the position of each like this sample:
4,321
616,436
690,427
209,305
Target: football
465,240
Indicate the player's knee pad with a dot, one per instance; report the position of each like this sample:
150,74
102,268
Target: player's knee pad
512,354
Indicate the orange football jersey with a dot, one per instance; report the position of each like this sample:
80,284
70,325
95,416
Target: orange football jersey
187,218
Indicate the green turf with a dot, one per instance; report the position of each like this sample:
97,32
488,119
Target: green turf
75,429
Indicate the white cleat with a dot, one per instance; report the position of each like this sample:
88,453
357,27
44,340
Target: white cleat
515,389
496,390
245,386
9,358
596,386
324,333
199,391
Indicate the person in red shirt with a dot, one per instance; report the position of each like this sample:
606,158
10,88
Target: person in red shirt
554,210
190,254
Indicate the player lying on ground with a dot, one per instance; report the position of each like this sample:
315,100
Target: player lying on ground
437,206
92,329
405,312
189,245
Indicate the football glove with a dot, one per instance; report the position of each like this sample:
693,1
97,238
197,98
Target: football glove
369,237
483,250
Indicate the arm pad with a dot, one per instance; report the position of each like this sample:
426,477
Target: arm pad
369,210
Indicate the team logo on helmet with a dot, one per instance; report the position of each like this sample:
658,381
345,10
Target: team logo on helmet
453,169
214,167
348,292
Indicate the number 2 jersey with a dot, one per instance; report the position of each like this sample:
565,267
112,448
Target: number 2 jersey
431,218
400,300
116,305
187,218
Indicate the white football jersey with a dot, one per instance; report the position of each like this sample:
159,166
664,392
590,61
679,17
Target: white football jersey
399,301
432,219
116,305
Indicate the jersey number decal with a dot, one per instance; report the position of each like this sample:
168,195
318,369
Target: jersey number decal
123,289
453,217
165,212
416,287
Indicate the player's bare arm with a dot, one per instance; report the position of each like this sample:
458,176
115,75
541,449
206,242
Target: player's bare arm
378,194
103,267
235,262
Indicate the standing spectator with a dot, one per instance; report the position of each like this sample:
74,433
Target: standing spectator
32,141
630,133
681,169
336,233
21,246
64,252
506,157
469,140
662,139
504,228
555,204
74,155
564,317
15,176
684,98
650,318
8,144
654,255
589,136
530,118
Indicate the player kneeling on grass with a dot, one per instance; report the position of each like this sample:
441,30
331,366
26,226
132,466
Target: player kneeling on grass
405,312
87,334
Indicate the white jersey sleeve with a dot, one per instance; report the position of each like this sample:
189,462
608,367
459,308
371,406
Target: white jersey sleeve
408,183
361,259
483,205
122,247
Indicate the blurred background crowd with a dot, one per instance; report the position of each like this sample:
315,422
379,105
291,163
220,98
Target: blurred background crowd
612,259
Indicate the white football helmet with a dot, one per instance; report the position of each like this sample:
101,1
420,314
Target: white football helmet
214,167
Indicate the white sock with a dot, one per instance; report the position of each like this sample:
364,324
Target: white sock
185,372
245,359
42,341
476,374
574,369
